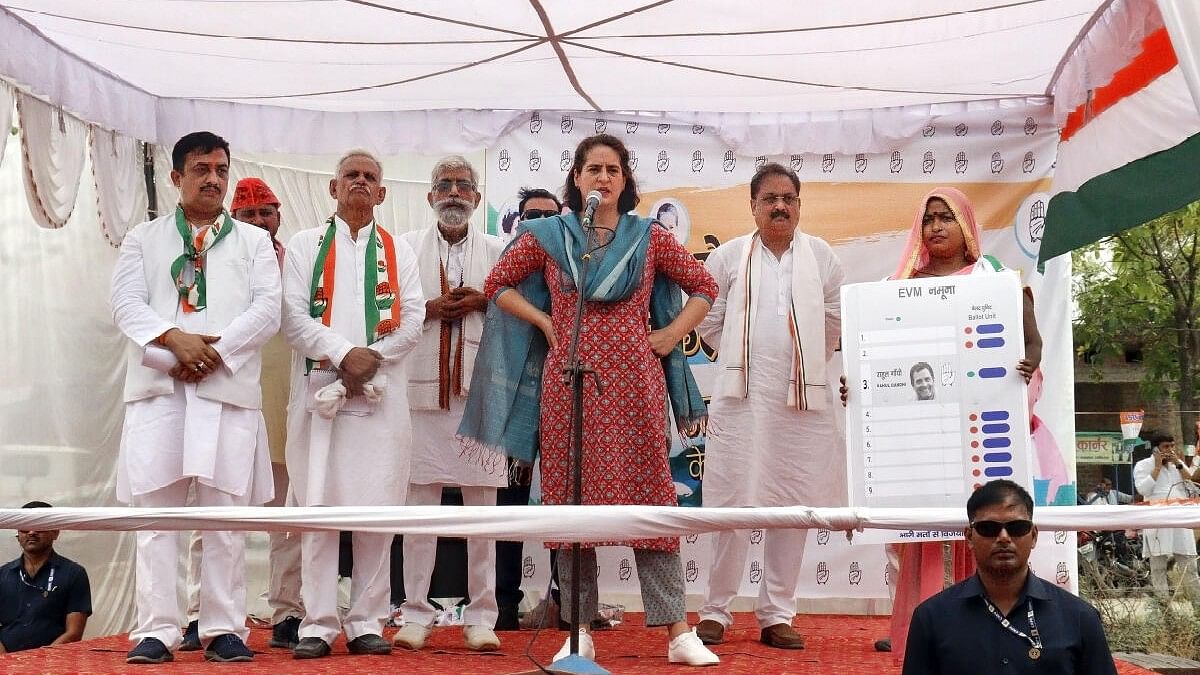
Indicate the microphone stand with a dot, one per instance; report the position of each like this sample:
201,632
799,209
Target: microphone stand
573,375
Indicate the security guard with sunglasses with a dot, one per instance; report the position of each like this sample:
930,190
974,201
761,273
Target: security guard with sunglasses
1005,619
45,599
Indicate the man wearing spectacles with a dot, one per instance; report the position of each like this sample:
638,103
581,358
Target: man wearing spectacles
1161,476
777,319
454,260
45,599
1005,619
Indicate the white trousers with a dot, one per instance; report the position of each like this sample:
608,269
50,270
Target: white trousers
222,592
420,552
283,586
370,585
780,574
1188,580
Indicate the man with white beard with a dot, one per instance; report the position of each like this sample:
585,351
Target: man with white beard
454,260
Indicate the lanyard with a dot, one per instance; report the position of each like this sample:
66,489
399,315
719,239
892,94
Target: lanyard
49,582
1035,638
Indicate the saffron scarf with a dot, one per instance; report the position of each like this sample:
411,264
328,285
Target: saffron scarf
382,306
193,295
916,256
503,407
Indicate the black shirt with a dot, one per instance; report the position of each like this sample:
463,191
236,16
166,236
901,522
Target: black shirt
33,611
954,633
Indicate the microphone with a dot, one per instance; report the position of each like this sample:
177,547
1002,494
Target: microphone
589,208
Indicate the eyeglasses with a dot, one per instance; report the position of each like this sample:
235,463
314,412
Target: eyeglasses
531,214
946,217
992,528
463,185
769,200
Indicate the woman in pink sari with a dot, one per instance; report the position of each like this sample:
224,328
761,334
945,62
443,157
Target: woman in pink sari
943,241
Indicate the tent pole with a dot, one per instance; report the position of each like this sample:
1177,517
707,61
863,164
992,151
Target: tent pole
148,170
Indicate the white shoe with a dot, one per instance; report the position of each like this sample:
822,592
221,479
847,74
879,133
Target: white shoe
480,638
412,636
687,648
586,648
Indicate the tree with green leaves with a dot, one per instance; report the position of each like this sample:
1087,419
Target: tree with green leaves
1139,288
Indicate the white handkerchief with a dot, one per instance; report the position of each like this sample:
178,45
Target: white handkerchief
327,395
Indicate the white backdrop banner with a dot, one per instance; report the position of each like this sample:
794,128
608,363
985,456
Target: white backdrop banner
863,204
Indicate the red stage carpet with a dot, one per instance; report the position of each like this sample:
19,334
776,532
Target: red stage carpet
836,645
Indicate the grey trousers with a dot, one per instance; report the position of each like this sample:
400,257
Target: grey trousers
660,574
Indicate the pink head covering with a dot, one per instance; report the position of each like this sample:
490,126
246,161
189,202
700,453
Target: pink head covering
916,256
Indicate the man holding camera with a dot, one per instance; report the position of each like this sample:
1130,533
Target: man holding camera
1160,477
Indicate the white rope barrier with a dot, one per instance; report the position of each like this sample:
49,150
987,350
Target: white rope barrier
573,523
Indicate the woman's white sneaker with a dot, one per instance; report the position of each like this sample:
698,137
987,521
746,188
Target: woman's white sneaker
586,648
687,648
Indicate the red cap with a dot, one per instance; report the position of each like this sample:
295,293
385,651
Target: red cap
252,192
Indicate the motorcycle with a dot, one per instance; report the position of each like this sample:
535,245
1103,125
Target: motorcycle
1105,568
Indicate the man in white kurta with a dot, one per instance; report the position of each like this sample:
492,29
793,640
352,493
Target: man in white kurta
454,260
771,438
349,433
1159,477
198,295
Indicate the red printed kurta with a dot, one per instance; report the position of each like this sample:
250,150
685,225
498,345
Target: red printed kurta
625,433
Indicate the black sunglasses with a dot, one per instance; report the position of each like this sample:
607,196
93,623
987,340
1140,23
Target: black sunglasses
531,214
992,528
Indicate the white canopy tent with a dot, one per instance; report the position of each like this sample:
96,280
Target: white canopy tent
313,75
318,76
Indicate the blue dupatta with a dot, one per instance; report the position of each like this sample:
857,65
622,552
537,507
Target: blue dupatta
504,404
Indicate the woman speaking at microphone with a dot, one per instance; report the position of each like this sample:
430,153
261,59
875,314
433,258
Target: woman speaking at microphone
523,403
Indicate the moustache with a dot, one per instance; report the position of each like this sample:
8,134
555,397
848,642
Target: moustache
452,202
779,213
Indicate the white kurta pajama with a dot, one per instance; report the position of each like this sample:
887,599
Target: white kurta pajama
759,449
354,459
437,460
210,432
1159,544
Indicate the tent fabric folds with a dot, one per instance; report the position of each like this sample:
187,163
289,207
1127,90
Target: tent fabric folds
52,145
120,182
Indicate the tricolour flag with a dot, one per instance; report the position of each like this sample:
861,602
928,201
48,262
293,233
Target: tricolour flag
1129,154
